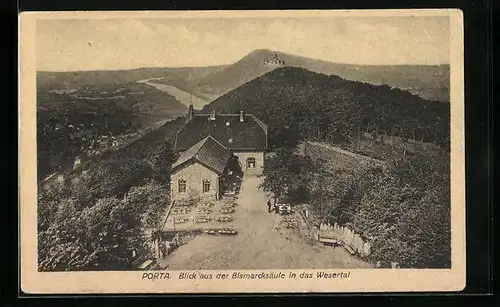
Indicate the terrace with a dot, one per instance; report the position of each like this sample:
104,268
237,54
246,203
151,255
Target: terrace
204,215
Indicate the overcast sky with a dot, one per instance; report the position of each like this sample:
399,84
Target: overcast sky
90,44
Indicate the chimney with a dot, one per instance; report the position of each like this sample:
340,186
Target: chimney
242,116
190,111
212,117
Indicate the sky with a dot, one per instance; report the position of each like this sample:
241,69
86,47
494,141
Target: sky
112,44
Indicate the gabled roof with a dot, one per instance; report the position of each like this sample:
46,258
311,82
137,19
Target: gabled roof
208,152
227,129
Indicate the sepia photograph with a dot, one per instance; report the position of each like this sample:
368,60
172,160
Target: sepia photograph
281,147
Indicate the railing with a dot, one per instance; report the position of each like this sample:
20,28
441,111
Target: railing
351,240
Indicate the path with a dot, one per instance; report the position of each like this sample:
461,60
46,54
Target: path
345,152
259,245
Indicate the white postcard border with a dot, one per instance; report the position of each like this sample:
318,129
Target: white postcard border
359,280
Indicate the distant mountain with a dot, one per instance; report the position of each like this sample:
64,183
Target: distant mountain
295,101
429,82
209,83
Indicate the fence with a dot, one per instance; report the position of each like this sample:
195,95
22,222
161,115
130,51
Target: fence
350,238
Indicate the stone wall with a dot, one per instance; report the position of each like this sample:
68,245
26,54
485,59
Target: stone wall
348,236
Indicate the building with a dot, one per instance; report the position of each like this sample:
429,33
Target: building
207,142
198,170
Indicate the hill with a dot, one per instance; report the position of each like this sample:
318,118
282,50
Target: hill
297,103
74,122
209,83
429,82
122,193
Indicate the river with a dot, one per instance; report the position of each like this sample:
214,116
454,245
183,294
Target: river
183,97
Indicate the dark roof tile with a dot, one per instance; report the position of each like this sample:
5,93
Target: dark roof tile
208,152
251,134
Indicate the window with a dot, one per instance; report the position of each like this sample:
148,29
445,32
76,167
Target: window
206,186
251,162
182,186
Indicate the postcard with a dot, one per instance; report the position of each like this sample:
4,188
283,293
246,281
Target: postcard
242,151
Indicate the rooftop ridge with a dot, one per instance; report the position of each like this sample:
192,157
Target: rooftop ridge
210,136
198,152
186,156
261,123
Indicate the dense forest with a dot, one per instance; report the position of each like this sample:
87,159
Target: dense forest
299,104
108,206
403,209
79,122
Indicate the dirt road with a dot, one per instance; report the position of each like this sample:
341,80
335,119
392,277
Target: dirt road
259,245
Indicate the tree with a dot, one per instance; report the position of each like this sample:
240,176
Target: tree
287,175
403,208
110,235
111,178
149,202
64,245
406,213
162,160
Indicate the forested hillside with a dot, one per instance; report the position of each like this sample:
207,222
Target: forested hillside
402,208
299,104
80,122
107,207
427,81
